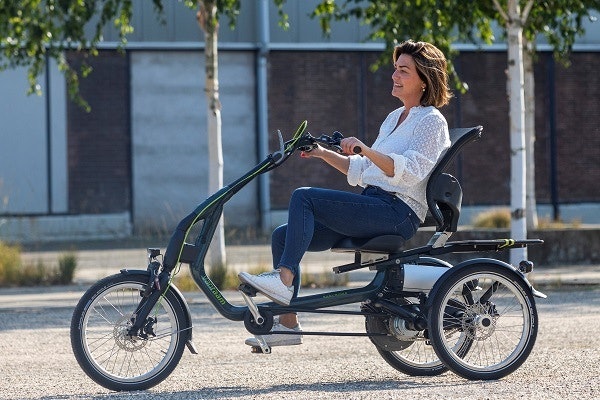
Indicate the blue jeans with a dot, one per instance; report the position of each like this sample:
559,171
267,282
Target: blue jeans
319,218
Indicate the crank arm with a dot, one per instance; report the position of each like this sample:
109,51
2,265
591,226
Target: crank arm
266,349
253,308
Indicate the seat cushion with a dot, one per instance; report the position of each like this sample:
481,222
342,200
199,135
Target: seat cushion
379,244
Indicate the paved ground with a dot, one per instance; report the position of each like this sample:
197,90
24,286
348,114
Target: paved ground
36,361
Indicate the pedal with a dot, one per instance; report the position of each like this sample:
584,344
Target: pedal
263,348
247,289
258,350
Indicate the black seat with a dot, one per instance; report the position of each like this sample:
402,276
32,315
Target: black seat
444,198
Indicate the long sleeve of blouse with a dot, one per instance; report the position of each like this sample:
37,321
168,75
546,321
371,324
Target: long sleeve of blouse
415,146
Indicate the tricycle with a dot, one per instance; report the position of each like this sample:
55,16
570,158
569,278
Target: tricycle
425,316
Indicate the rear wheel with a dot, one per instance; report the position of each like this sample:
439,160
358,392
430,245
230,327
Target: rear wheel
495,309
102,346
408,351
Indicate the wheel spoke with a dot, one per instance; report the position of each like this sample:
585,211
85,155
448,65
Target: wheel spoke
497,318
116,359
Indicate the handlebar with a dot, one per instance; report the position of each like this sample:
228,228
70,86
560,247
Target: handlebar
304,141
331,142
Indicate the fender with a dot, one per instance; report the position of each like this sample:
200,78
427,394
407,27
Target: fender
518,275
184,305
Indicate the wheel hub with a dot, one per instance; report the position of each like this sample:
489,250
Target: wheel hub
400,331
123,339
478,323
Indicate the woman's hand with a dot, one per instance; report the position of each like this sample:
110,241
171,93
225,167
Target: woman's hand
350,143
317,152
336,160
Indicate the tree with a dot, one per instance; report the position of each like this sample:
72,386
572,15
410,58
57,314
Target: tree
208,20
34,31
515,18
444,22
560,22
439,22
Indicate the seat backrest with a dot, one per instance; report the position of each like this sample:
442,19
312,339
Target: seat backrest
444,193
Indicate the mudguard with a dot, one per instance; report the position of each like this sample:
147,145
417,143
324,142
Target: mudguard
518,275
184,305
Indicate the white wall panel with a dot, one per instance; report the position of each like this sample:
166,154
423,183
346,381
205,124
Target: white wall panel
169,140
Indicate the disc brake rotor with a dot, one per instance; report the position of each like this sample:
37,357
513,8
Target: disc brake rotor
123,340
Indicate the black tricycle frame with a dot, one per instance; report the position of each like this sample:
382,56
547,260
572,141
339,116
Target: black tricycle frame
385,255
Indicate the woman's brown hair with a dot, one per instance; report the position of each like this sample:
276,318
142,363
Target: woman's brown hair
431,67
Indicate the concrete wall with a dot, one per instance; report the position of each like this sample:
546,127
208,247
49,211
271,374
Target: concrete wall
24,170
169,138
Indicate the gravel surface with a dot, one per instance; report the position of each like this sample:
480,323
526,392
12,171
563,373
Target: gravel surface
36,361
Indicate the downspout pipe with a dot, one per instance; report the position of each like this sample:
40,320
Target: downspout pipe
262,110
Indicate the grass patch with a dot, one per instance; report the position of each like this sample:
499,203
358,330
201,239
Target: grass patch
14,273
547,223
500,218
10,263
324,280
495,218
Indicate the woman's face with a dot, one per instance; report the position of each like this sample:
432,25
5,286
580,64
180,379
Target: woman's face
408,86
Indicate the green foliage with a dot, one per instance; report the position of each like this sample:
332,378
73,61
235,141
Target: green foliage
14,273
439,22
10,263
34,31
67,263
444,22
560,22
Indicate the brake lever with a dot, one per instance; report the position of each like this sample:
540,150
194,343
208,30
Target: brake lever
338,148
278,156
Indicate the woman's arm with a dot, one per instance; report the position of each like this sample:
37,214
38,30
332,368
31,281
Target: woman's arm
383,162
337,161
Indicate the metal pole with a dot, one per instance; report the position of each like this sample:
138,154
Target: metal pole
553,140
262,111
48,136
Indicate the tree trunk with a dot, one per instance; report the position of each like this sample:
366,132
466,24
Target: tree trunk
207,18
518,228
532,217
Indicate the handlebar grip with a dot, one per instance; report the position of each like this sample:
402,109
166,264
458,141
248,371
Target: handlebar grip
356,150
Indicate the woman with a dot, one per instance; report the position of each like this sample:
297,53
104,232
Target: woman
393,171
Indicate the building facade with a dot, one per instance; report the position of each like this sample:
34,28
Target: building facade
137,163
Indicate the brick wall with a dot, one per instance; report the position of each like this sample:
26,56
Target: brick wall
336,91
99,153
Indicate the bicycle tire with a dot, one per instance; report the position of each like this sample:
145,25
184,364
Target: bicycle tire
503,328
103,350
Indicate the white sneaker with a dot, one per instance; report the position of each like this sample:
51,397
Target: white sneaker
279,339
269,284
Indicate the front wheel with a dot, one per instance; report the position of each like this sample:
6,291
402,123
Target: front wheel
102,346
495,309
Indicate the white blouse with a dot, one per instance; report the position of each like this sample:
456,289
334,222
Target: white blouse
415,146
